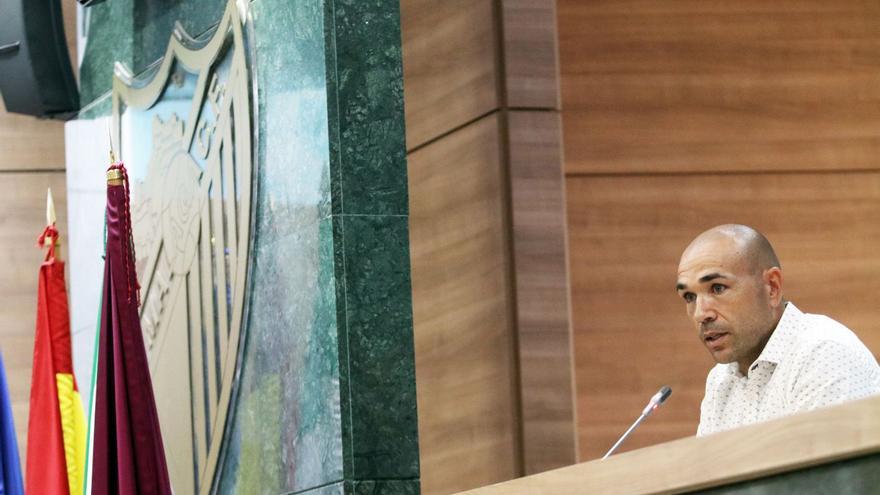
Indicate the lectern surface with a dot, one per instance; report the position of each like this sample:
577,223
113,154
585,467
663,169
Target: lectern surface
834,450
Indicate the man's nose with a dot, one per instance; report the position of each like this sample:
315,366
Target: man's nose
704,312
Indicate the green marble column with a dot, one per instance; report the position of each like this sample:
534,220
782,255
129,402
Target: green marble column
325,396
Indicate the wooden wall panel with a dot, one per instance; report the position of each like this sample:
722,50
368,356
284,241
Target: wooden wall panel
531,62
631,332
449,65
540,264
460,93
699,86
462,311
27,143
23,203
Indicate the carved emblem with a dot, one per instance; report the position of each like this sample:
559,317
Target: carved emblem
185,135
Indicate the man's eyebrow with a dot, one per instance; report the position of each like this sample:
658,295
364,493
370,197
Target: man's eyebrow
705,278
711,276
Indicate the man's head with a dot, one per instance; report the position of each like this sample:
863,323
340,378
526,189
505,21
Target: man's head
731,282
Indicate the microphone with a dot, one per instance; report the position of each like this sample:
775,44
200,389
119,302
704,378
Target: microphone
658,398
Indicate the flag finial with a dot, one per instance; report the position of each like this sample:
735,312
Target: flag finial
110,135
47,240
50,208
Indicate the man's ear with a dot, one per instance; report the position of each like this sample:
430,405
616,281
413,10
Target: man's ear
773,283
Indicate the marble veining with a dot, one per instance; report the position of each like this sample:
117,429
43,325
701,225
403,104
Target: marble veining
325,401
110,40
373,262
365,77
291,355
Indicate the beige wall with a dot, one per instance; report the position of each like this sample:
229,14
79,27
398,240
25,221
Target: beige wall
681,115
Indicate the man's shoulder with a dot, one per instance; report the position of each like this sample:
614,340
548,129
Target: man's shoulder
825,340
820,331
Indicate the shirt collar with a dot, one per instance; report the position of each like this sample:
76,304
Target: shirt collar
781,338
780,341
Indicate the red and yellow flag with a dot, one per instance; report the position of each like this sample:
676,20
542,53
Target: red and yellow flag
56,425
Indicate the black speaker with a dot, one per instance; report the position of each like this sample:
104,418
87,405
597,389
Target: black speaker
35,72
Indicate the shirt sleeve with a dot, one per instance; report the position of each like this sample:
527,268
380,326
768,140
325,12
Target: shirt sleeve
834,373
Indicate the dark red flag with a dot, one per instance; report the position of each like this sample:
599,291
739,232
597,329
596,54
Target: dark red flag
128,456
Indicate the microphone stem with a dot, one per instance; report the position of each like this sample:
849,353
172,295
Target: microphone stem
630,430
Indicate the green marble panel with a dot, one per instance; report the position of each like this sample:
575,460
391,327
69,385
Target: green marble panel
136,33
291,356
365,78
337,488
383,487
372,262
285,433
371,487
344,368
859,476
110,39
290,77
154,21
370,203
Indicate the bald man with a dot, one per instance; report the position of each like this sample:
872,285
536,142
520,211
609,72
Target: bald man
773,360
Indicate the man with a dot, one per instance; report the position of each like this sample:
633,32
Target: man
773,360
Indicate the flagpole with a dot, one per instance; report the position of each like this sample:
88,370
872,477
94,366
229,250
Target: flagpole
87,486
51,220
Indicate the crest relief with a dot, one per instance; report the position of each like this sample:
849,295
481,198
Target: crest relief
185,133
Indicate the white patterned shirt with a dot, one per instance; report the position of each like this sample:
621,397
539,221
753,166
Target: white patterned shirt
810,361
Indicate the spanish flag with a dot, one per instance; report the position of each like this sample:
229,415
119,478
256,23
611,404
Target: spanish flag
56,425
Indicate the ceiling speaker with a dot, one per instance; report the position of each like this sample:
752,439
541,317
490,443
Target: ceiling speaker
36,77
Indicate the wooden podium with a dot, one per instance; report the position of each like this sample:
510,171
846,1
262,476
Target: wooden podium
835,450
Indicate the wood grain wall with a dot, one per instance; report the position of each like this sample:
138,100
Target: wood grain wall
542,290
31,161
487,237
463,304
540,248
464,343
681,115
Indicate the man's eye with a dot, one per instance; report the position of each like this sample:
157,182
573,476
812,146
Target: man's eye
689,297
718,288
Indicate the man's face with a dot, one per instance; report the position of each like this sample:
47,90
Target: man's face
727,301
